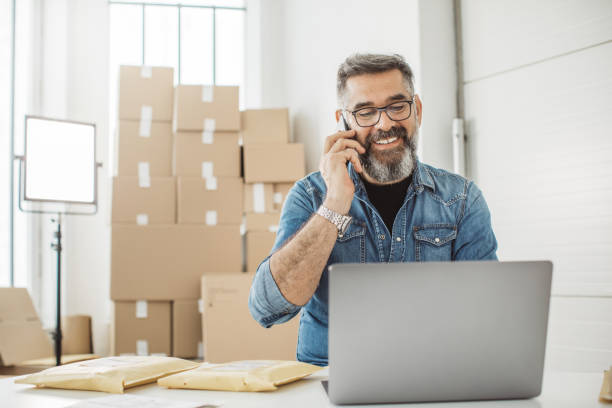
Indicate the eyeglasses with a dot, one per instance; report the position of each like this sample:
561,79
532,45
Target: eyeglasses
370,116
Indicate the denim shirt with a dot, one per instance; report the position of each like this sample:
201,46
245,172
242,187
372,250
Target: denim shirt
444,217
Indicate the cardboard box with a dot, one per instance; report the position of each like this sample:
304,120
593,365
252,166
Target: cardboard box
76,335
164,262
258,247
194,157
144,203
147,90
210,201
142,328
267,222
280,194
273,163
205,107
133,149
21,334
230,333
187,329
258,198
265,126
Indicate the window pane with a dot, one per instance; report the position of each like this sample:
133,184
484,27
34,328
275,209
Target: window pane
218,3
230,47
196,46
5,86
161,37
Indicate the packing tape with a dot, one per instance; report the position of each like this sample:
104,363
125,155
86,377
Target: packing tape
211,183
146,117
201,305
259,198
273,228
208,137
208,93
144,177
146,71
242,229
142,348
200,350
141,309
211,218
207,169
278,198
142,219
210,125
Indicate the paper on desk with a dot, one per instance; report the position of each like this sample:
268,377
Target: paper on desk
132,401
605,395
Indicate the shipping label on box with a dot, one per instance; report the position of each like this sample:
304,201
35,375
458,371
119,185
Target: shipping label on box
160,262
273,163
186,329
146,93
280,194
140,333
259,198
210,201
202,155
134,150
265,126
258,247
152,203
206,108
229,331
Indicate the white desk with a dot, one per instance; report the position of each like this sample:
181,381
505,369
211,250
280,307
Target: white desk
561,390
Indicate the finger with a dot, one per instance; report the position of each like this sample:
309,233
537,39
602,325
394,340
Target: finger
330,140
352,156
342,144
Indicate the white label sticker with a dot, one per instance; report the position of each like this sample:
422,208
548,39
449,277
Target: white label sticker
142,219
200,350
142,348
211,183
146,117
144,178
201,305
208,137
141,309
278,198
243,228
259,198
146,71
210,125
207,169
273,228
208,93
211,218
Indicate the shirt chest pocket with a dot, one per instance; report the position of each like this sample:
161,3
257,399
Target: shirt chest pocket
434,242
350,246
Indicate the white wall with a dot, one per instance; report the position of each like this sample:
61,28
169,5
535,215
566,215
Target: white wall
538,80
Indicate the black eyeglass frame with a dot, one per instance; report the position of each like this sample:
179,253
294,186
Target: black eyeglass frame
380,110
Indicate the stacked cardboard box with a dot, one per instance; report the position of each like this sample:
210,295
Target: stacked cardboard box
271,165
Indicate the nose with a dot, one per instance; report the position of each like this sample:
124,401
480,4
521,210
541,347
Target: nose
385,123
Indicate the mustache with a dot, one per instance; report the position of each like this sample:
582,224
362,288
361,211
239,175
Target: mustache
396,131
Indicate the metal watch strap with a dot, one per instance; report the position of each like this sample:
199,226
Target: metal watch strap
340,221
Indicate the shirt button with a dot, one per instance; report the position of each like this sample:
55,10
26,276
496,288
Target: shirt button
437,239
381,236
398,239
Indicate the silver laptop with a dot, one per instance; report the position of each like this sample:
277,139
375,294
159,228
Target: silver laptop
437,331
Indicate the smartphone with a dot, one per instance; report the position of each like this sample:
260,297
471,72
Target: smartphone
342,124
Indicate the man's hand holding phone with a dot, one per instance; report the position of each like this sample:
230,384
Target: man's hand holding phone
339,149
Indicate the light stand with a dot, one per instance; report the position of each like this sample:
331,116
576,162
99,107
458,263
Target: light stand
58,175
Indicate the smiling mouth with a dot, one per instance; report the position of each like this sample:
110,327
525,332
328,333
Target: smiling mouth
385,141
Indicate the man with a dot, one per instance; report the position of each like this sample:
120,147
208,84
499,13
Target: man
400,209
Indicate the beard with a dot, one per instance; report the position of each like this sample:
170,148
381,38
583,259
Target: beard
393,164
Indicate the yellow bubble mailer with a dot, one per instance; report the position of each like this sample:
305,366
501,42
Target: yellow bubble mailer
251,375
110,374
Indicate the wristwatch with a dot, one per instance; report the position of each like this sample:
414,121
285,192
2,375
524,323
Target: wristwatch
340,221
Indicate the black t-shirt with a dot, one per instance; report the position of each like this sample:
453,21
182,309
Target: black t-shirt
388,198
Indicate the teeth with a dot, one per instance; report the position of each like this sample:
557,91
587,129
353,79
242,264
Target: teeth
386,141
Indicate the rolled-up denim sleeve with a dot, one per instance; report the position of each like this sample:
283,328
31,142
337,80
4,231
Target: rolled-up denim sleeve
475,238
267,304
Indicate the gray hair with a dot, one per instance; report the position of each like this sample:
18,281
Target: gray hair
359,64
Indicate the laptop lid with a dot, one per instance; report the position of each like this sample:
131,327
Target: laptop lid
437,331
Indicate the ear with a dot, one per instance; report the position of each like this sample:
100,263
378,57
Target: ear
418,109
338,114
